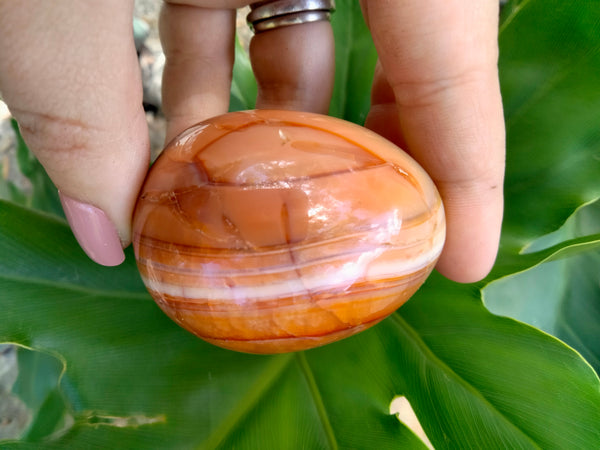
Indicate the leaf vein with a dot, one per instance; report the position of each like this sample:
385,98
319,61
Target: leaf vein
87,290
317,399
428,355
543,89
516,10
272,373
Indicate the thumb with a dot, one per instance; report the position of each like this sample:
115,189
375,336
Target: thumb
75,90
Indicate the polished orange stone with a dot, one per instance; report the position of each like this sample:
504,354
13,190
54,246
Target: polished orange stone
276,231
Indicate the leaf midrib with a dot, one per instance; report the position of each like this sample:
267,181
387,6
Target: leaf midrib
243,407
81,289
317,399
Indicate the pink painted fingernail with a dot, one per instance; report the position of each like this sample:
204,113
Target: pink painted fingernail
95,233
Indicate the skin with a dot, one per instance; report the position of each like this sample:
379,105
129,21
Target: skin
78,98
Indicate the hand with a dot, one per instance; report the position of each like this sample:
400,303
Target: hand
69,74
436,94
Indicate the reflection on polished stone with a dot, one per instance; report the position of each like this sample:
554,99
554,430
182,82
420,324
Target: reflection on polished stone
276,231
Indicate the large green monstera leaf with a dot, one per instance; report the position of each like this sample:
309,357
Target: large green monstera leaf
102,367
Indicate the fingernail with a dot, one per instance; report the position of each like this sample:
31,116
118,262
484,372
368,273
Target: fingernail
95,233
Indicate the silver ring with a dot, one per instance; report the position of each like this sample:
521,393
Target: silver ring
268,15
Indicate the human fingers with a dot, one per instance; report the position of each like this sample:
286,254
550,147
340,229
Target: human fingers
439,63
69,74
293,65
198,42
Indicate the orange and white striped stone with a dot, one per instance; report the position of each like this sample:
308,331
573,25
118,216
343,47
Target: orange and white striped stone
274,231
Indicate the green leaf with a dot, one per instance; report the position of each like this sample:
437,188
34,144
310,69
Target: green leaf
561,297
243,85
491,381
40,248
38,387
549,65
355,59
502,390
44,195
109,332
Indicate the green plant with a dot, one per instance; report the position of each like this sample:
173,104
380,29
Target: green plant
105,368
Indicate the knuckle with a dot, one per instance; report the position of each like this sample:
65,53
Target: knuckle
431,91
48,133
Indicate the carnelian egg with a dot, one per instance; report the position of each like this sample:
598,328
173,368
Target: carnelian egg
276,231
